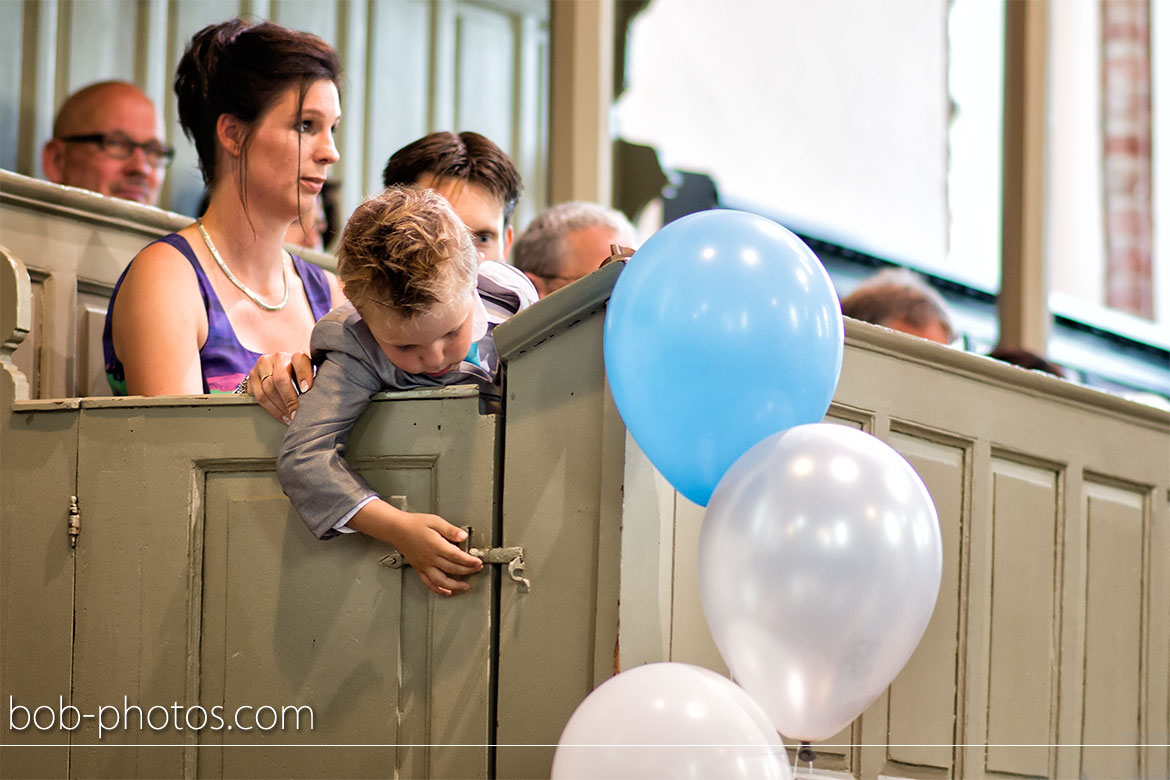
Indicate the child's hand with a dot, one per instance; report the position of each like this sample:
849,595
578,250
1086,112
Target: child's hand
423,539
427,541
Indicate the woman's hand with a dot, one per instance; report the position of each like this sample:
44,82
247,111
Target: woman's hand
271,382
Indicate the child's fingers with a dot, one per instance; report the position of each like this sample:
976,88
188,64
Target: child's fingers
451,533
431,586
440,583
453,556
465,565
454,535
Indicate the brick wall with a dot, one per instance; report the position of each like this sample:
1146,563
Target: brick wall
1125,73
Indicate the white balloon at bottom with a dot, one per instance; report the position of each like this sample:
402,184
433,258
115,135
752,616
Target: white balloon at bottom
670,720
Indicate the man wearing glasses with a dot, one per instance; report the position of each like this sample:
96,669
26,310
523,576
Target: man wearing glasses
106,139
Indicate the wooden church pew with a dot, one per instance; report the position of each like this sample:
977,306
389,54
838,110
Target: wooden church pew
193,582
1050,631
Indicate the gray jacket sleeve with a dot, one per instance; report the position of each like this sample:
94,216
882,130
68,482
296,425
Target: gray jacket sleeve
311,465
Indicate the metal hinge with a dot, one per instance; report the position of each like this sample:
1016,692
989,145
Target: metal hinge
512,556
74,522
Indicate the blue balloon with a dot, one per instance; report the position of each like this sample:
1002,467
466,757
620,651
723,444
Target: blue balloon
723,329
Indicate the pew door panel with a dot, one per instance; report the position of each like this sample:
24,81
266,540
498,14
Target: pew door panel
89,370
199,586
36,586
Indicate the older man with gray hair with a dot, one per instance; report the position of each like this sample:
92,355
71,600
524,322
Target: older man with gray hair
568,241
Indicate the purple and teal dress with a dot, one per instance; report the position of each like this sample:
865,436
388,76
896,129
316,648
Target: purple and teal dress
223,360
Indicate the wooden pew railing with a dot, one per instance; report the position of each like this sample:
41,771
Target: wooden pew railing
1048,653
190,581
193,582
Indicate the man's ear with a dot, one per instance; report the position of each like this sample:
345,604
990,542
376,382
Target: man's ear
508,235
231,130
53,160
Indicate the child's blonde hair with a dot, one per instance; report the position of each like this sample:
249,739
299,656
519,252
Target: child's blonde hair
406,250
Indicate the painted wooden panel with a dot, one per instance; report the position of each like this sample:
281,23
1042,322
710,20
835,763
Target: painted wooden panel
558,640
922,726
1114,605
197,583
1023,619
486,74
317,16
398,87
647,562
90,367
530,149
12,18
989,442
314,622
38,457
690,640
97,41
990,679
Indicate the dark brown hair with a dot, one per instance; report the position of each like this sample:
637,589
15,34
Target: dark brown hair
467,156
1025,359
242,68
405,250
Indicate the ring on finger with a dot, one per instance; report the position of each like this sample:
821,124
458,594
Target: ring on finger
265,376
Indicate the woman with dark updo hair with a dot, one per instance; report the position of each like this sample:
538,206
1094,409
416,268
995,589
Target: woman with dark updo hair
220,306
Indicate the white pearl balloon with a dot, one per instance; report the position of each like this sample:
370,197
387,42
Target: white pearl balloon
669,720
820,558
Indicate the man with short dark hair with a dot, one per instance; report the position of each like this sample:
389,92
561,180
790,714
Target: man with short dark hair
568,241
107,138
475,176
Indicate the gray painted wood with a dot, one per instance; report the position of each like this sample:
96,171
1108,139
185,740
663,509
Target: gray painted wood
1050,627
192,582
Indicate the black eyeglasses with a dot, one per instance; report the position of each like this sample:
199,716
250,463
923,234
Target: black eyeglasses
119,147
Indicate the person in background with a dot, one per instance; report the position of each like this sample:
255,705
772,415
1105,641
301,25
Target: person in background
1025,359
421,314
107,138
475,176
899,299
568,241
221,301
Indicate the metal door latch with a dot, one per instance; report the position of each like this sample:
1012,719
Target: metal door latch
512,556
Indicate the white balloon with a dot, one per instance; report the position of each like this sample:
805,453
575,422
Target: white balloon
819,564
669,720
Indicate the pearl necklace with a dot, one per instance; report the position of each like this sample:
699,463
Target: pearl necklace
232,277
